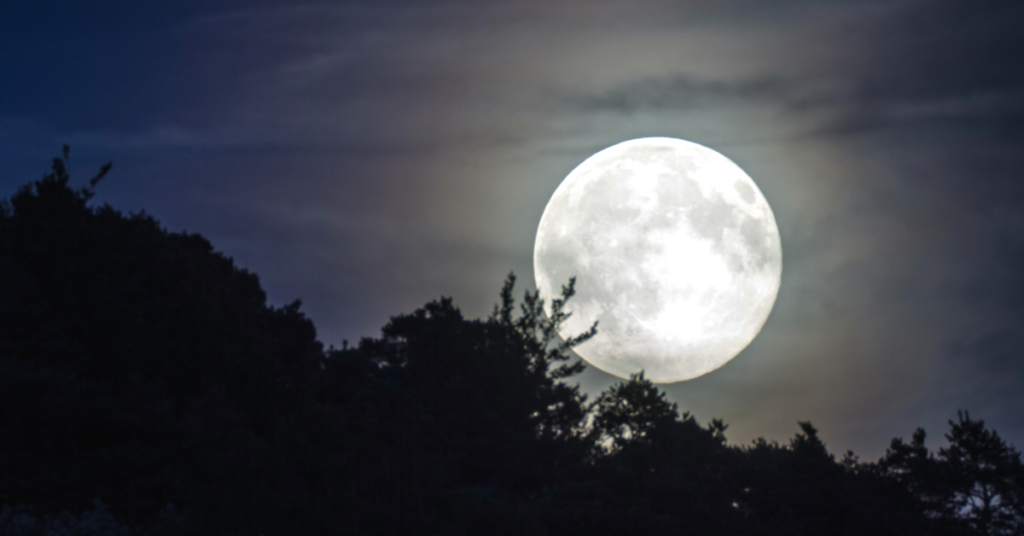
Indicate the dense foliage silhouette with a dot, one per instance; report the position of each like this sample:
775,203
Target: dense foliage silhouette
146,387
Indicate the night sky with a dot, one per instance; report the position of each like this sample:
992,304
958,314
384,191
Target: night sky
369,157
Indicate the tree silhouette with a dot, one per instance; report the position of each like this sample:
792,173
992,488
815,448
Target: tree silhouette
655,460
631,411
917,470
142,371
139,366
975,485
986,477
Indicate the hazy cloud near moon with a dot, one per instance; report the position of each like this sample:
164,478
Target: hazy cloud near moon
678,92
367,158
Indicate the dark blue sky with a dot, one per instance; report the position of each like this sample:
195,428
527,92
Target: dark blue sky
368,157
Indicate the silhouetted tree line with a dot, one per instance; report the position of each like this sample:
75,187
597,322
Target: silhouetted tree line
146,387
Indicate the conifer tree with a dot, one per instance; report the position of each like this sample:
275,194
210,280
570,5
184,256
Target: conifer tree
986,475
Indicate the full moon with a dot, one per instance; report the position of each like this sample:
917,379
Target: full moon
676,254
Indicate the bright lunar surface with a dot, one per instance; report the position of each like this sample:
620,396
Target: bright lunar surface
675,252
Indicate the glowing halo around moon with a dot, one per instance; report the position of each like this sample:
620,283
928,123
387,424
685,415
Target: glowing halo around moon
676,254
